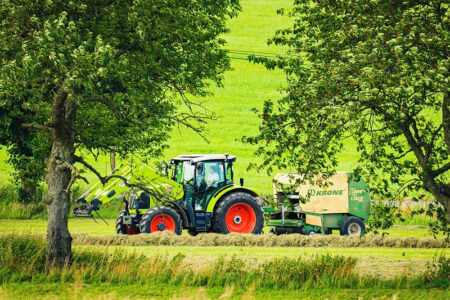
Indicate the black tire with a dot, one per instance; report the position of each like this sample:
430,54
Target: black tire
154,212
310,232
192,232
120,228
352,226
219,218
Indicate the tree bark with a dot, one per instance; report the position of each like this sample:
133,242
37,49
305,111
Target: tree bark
440,193
59,240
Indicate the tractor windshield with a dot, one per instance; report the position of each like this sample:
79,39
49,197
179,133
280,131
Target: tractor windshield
209,174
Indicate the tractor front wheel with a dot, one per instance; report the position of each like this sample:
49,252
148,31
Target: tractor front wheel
239,212
161,218
120,227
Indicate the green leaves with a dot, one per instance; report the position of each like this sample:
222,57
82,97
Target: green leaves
129,67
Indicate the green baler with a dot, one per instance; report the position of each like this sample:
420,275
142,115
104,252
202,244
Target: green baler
343,203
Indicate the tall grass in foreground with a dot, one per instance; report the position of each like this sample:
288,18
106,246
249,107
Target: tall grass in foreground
22,259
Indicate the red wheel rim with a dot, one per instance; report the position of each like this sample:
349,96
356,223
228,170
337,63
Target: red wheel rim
240,218
162,222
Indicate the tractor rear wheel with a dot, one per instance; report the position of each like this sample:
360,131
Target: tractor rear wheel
120,227
352,226
239,212
161,218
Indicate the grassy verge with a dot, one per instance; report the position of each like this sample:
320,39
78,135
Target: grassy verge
98,273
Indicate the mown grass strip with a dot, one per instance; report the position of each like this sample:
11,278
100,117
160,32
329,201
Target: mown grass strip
265,240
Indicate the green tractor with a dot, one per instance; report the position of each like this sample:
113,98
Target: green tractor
196,192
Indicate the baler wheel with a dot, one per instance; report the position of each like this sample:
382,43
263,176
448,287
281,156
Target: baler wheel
352,226
311,232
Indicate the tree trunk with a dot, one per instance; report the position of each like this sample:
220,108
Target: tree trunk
59,241
440,193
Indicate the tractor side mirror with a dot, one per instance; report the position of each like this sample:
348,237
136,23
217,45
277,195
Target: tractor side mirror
241,181
165,168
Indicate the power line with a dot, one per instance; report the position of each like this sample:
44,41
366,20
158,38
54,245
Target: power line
240,58
256,52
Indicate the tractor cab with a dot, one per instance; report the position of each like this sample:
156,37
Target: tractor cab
202,176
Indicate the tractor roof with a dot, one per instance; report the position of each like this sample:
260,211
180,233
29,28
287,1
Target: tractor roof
194,158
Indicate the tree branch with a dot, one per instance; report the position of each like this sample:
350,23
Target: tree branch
91,168
440,171
429,147
414,146
115,111
403,154
77,175
37,126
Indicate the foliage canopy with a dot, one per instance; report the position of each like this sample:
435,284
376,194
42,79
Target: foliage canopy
376,71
